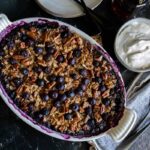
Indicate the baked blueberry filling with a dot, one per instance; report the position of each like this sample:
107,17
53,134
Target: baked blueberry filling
59,79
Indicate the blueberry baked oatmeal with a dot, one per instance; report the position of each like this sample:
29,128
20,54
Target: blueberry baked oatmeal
59,79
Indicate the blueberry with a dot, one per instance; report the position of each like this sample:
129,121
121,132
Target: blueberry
50,50
40,82
25,95
1,64
60,79
98,79
19,34
64,34
47,124
37,69
88,110
68,116
102,125
24,38
60,58
91,123
74,76
120,106
33,23
46,57
96,63
47,70
12,61
62,97
24,53
30,107
112,91
10,45
77,53
45,97
83,87
25,71
43,28
17,101
79,91
48,44
83,72
116,108
57,104
70,93
62,28
12,94
60,86
17,81
118,99
2,53
53,24
105,116
38,116
75,107
71,61
52,78
102,88
6,79
39,43
53,94
38,50
44,111
86,81
97,130
81,132
3,43
106,101
31,43
96,53
92,101
64,31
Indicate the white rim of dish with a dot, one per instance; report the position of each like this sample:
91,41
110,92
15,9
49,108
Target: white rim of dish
115,43
62,16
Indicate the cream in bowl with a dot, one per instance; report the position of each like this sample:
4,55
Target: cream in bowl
132,45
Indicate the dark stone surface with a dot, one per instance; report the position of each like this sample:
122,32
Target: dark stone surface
14,133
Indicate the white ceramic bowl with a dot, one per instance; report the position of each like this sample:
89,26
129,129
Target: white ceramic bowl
118,133
119,39
65,8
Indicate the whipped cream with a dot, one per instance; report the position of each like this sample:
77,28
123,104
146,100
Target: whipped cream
134,45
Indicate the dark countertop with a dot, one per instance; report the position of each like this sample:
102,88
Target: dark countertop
14,133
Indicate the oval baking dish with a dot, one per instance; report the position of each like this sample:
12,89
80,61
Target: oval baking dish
117,130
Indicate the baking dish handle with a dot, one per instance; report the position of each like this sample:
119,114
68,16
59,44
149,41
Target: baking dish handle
4,22
120,132
126,124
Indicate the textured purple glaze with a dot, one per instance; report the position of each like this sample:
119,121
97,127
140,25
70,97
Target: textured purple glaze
24,115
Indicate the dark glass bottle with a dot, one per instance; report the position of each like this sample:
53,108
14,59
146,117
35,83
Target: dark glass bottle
123,9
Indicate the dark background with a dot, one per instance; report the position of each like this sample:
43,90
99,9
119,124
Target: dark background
14,133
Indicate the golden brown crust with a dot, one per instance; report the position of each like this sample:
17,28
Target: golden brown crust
35,59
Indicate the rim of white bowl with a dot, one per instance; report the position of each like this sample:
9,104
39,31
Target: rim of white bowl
78,14
115,43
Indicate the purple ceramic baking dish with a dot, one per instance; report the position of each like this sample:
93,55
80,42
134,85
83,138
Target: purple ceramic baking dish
118,133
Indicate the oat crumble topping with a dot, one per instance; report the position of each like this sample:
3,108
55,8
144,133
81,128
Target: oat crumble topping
60,79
